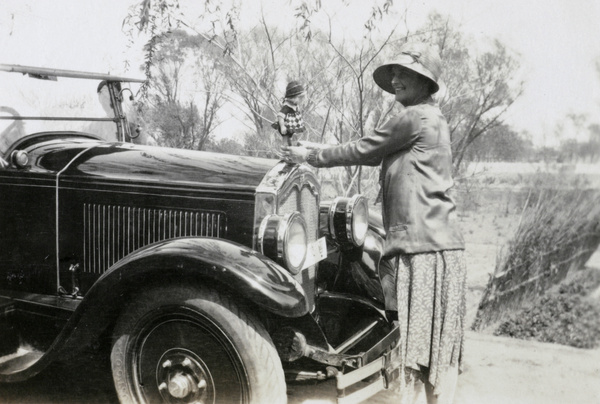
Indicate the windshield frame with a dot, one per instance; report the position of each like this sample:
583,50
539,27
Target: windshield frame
113,83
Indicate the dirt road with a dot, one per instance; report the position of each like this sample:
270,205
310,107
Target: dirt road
509,371
498,370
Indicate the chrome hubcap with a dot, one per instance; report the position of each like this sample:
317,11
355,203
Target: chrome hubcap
180,385
183,377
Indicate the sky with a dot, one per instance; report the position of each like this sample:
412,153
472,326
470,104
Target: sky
558,42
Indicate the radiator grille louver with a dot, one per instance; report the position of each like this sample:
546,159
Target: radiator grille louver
307,203
112,232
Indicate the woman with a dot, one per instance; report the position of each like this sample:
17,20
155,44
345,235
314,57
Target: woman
419,217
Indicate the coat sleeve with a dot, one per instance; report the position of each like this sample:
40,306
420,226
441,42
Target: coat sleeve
398,133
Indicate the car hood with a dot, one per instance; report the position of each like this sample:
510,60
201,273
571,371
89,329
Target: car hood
135,163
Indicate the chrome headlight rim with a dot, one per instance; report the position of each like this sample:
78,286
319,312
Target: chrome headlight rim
342,224
274,240
357,202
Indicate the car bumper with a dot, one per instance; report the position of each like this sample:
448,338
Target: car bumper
376,375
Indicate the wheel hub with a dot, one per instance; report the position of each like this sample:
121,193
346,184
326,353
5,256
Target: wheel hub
180,385
183,377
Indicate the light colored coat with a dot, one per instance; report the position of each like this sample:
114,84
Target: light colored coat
414,151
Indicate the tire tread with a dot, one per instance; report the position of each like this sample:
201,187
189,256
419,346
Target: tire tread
269,386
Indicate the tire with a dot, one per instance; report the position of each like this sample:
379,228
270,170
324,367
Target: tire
192,345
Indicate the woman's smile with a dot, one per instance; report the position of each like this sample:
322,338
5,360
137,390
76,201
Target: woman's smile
408,85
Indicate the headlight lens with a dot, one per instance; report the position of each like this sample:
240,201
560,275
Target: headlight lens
359,212
284,239
296,244
348,220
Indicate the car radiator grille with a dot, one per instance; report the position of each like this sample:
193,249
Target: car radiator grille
307,203
112,232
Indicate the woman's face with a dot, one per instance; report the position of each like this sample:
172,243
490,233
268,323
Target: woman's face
411,88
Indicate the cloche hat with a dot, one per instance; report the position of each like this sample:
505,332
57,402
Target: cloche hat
293,89
416,56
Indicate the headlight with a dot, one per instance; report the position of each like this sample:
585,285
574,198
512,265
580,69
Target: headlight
284,239
348,220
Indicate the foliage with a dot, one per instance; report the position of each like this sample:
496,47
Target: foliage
344,104
546,154
253,74
175,124
227,146
558,231
572,150
479,87
565,316
177,116
499,143
591,149
353,101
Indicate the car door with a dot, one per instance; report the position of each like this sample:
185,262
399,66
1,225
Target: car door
29,224
28,229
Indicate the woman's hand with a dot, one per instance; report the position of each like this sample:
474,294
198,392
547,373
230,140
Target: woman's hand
294,154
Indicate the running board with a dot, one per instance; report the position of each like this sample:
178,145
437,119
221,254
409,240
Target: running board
67,305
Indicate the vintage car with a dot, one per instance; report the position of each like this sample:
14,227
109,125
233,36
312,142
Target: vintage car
215,278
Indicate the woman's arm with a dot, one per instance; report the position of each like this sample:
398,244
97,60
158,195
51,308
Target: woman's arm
396,134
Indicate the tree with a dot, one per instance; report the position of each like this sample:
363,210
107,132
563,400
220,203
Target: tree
352,103
546,154
592,151
184,119
569,151
339,101
253,71
500,143
479,87
344,102
256,60
227,146
580,139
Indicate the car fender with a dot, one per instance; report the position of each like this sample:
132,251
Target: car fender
233,266
373,273
247,272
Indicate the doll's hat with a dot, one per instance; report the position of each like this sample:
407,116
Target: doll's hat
416,56
293,89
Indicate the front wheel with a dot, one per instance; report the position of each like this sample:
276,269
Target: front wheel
193,345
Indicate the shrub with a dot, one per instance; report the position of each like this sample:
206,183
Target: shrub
564,316
558,231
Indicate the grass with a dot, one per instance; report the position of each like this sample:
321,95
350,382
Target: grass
558,230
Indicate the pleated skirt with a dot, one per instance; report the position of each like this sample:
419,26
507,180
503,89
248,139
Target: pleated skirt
431,293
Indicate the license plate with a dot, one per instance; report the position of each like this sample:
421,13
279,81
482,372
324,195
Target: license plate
316,251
